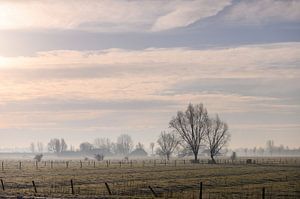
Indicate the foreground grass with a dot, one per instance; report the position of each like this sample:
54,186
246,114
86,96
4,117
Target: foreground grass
168,181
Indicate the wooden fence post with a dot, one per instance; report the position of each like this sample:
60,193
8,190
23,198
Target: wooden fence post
94,164
200,191
2,166
36,165
51,164
67,164
33,184
153,192
72,187
108,189
2,184
20,165
263,193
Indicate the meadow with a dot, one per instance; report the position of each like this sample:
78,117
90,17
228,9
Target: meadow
149,178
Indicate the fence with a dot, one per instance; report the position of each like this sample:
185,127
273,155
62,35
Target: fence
143,163
147,190
132,180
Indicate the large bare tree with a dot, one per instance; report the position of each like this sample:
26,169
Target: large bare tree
191,125
217,136
167,143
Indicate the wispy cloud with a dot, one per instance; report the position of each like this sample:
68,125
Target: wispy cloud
149,75
264,11
140,16
106,15
142,89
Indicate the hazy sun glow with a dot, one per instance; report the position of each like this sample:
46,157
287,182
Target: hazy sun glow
4,62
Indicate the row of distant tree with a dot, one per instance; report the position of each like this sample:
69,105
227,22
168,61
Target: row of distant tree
269,150
123,146
189,131
166,145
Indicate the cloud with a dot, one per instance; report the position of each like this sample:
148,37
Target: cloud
91,91
264,12
152,74
274,60
105,15
187,13
140,16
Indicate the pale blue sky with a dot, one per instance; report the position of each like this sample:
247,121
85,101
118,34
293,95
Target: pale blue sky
83,70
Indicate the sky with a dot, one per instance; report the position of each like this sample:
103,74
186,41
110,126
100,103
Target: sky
80,70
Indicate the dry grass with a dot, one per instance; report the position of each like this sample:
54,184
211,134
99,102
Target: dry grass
220,181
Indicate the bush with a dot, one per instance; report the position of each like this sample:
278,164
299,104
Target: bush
99,157
38,157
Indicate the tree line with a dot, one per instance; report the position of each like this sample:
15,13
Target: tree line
189,132
270,149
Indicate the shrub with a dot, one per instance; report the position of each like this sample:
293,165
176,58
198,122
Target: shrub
38,157
99,157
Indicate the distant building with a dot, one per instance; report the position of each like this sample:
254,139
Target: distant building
139,153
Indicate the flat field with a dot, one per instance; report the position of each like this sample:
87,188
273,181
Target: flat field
174,179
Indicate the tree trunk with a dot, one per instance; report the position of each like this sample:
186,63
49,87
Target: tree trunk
168,157
213,159
196,157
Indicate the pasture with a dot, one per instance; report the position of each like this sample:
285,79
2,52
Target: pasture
280,178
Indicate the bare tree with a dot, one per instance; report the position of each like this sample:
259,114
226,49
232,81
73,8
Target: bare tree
152,147
32,147
191,126
40,147
233,156
63,145
72,148
270,146
167,143
104,144
54,146
124,144
139,146
217,136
